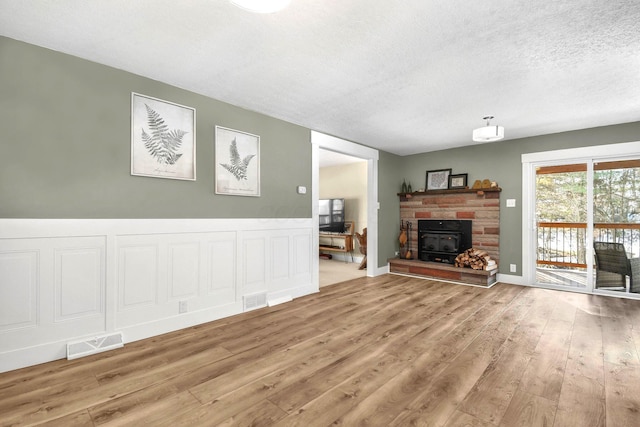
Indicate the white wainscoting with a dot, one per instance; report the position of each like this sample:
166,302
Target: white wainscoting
66,280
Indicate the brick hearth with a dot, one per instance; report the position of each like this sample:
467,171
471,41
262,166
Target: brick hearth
443,271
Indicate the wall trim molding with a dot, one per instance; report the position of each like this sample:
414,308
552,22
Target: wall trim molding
511,279
73,279
11,228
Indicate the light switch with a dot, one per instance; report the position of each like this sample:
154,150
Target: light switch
302,189
511,203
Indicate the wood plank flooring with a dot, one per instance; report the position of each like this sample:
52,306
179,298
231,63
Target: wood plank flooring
385,351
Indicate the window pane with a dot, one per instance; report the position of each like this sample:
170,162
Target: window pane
561,197
616,200
616,193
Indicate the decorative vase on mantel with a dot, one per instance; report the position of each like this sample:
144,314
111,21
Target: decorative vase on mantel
404,186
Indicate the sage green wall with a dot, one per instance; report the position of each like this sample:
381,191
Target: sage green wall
501,161
66,132
66,153
390,171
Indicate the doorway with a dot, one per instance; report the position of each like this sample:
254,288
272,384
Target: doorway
342,179
330,143
575,200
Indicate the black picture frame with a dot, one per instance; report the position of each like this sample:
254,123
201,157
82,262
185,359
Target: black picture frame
458,180
438,179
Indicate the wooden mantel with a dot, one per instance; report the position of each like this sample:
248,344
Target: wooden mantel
453,191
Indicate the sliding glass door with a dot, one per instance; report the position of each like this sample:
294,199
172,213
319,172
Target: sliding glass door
561,223
616,218
581,219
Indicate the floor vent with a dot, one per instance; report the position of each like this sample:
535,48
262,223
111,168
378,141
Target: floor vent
94,345
251,302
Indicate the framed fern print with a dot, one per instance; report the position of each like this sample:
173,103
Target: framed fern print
237,163
163,139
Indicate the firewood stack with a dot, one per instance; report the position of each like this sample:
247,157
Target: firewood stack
475,259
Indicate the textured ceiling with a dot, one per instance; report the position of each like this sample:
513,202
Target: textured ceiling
405,76
328,158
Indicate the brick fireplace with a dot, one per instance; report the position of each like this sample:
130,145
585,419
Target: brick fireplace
481,207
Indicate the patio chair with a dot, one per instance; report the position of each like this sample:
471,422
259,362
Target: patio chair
613,267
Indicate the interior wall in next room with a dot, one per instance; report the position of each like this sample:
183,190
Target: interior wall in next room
349,182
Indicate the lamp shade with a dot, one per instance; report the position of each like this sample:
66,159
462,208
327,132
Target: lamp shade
261,6
488,133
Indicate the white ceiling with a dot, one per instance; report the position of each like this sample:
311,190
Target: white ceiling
405,76
328,158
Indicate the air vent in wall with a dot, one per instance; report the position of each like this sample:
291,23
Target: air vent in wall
94,345
251,302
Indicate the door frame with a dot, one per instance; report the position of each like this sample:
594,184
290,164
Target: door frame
572,155
331,143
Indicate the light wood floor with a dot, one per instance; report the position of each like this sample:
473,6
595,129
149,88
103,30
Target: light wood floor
335,271
386,351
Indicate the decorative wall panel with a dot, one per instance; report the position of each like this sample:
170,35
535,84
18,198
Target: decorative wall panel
223,267
18,289
184,270
255,277
79,287
280,264
138,276
301,254
67,280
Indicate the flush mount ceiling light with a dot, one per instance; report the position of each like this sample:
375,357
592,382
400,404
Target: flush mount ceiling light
488,133
261,6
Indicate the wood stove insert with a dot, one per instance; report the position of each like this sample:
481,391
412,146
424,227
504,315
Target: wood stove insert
441,240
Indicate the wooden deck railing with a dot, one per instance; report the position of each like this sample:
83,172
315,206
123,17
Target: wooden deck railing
563,244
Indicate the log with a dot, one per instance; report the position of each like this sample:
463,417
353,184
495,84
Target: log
475,259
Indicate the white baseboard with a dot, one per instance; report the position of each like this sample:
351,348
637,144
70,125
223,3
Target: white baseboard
382,270
30,356
180,321
511,279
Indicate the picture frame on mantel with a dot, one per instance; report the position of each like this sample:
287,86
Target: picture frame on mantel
438,179
458,181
